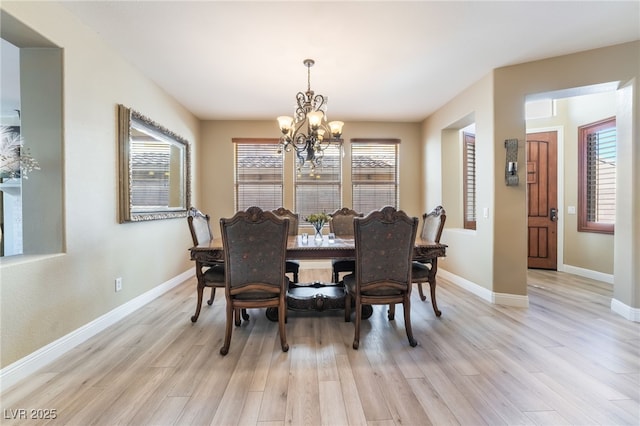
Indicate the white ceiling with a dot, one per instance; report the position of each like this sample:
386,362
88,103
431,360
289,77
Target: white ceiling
393,60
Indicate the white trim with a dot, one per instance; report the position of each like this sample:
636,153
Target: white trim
515,300
28,365
485,294
470,286
588,273
626,311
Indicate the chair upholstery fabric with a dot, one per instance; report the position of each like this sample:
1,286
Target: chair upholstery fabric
255,246
292,266
384,242
432,226
341,225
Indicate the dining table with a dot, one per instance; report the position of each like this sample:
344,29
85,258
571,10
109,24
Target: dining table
320,296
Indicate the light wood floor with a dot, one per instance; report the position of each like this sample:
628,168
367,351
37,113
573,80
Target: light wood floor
565,360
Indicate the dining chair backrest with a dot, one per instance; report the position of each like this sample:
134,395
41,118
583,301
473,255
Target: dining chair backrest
293,219
255,246
384,242
433,224
341,222
199,226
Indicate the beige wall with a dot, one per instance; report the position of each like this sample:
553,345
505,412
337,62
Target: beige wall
216,166
586,250
469,254
501,240
46,297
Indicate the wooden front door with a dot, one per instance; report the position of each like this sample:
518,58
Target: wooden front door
542,196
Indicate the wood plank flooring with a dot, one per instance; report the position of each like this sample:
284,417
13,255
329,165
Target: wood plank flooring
567,359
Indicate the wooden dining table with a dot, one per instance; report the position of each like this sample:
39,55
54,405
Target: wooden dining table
320,296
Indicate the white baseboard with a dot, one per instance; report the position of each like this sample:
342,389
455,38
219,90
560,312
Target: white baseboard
485,294
28,365
626,311
515,300
587,273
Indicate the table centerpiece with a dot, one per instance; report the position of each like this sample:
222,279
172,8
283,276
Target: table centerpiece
318,220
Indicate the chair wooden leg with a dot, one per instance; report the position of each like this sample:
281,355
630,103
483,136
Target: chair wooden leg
236,317
407,322
295,277
356,337
392,311
282,315
336,276
228,329
213,295
195,316
432,286
422,296
347,307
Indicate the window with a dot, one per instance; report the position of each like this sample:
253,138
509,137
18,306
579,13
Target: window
597,176
320,192
258,176
374,173
469,179
150,171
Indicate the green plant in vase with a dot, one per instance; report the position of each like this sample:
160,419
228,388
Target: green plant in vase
318,220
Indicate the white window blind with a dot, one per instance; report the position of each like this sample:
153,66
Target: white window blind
601,176
597,176
150,162
374,173
258,177
320,192
469,180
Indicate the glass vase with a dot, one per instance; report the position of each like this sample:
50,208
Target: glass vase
318,227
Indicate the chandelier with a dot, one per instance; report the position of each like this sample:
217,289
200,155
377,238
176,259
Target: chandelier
308,132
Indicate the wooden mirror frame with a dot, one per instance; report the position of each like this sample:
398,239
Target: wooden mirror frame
130,122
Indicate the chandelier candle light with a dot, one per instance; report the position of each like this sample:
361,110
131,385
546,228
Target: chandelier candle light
308,132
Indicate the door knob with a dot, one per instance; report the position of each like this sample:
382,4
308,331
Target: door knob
553,214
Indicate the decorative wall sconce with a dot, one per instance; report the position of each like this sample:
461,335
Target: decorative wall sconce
511,166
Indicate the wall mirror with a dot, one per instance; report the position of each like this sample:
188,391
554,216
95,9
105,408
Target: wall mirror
154,163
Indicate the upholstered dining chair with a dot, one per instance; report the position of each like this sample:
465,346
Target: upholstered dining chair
207,274
384,242
292,266
341,224
432,226
255,249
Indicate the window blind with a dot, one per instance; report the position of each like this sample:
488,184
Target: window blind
320,192
150,171
374,174
469,180
597,176
258,177
601,176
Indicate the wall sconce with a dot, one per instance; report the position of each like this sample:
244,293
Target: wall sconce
511,166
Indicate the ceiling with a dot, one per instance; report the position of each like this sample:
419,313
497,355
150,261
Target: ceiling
382,61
